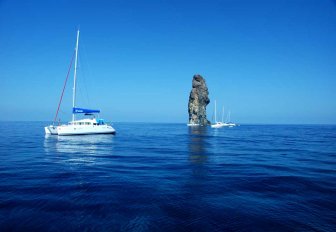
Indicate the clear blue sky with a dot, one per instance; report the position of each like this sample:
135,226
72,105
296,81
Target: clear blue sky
266,61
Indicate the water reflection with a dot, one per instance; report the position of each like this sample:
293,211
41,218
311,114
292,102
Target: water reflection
89,144
79,148
197,144
197,183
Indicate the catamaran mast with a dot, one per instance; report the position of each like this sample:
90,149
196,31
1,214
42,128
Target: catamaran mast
74,85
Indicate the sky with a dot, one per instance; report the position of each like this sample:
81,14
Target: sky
265,61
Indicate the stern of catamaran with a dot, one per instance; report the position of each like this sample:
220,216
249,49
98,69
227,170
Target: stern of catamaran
51,130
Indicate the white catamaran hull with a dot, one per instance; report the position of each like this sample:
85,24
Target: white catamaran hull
50,130
85,130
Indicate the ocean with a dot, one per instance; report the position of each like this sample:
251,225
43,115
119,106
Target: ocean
169,177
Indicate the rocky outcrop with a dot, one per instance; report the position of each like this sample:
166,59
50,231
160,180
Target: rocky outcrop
198,100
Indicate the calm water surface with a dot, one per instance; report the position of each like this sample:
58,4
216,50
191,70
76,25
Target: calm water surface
168,177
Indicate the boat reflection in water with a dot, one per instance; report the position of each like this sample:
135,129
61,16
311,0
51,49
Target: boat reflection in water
79,149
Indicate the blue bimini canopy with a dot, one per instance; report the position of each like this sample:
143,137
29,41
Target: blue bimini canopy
84,111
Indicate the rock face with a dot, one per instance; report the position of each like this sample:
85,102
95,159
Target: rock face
198,100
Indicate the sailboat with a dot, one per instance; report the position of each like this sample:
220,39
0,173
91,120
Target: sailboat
85,126
193,124
229,123
218,124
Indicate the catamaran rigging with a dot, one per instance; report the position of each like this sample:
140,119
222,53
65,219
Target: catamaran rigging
83,126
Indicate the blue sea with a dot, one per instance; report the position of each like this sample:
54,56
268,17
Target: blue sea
169,177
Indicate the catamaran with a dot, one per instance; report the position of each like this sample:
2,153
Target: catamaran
85,126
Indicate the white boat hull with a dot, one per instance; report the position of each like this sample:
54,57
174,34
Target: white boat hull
85,130
216,126
192,124
231,124
222,124
51,130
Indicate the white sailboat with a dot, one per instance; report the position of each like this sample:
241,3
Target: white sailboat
85,126
224,123
193,124
229,123
218,124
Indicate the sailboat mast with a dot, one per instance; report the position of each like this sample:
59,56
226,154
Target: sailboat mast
74,85
223,114
215,112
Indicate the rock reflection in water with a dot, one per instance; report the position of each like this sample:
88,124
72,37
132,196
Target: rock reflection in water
197,144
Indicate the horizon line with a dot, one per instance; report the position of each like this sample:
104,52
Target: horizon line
144,122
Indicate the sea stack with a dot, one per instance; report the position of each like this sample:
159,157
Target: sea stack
198,100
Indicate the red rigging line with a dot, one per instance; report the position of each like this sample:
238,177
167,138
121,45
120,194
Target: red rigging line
65,82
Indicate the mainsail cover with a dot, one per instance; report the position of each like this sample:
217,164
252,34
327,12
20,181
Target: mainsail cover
84,111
